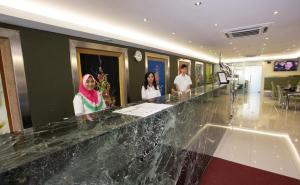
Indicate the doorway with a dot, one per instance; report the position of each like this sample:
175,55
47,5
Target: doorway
253,76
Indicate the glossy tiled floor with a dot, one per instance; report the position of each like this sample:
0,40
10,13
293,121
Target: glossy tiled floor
263,136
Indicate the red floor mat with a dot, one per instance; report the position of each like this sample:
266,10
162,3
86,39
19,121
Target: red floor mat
222,172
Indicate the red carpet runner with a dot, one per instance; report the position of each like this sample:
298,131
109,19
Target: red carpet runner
222,172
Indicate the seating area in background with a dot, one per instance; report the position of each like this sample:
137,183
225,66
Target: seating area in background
282,81
286,95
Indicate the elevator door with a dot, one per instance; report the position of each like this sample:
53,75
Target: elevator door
4,119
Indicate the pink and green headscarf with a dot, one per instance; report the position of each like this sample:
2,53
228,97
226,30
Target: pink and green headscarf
91,95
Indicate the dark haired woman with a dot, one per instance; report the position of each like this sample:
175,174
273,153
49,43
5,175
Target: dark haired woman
150,89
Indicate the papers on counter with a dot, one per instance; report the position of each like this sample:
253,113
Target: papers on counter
143,110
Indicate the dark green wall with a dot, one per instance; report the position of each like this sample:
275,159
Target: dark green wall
282,81
48,73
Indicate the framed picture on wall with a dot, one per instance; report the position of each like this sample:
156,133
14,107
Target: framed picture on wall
187,62
208,72
159,65
199,73
108,66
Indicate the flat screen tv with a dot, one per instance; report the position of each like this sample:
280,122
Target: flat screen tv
286,65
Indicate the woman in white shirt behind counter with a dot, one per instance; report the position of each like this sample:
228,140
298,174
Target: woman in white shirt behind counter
150,89
88,100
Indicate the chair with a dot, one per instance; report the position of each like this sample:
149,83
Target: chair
274,91
295,100
281,99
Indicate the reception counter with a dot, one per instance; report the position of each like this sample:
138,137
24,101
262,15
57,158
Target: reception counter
172,146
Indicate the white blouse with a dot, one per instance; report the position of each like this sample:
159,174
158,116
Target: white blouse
183,82
150,92
80,108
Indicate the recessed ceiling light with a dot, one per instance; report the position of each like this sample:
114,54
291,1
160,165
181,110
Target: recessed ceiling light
296,140
234,48
275,12
145,19
216,25
230,43
173,33
198,3
267,38
265,44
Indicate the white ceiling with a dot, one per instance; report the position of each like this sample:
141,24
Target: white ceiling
194,26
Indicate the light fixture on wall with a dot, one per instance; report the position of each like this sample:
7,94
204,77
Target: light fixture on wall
198,3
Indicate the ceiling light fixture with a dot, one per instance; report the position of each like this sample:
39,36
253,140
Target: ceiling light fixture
68,19
145,19
198,3
265,44
216,25
230,43
275,12
267,38
173,33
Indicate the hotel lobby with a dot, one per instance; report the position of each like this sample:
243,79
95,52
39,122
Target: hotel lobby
149,92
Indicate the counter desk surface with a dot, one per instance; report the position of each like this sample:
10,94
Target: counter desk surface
111,148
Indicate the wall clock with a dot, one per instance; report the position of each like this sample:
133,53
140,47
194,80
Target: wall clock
138,56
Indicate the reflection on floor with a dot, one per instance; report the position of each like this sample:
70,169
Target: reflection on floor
261,137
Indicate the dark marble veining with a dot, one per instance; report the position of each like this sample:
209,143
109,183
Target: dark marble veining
172,146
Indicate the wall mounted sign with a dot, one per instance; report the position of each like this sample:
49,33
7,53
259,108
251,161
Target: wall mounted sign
222,78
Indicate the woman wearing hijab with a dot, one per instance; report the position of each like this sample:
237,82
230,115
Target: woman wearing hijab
88,100
150,89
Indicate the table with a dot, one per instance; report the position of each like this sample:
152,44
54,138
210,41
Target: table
288,95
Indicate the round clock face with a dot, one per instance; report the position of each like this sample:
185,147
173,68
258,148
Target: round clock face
138,56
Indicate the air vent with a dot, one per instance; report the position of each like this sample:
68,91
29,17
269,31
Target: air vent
250,56
247,31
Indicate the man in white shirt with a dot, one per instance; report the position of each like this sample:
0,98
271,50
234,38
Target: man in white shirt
183,81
